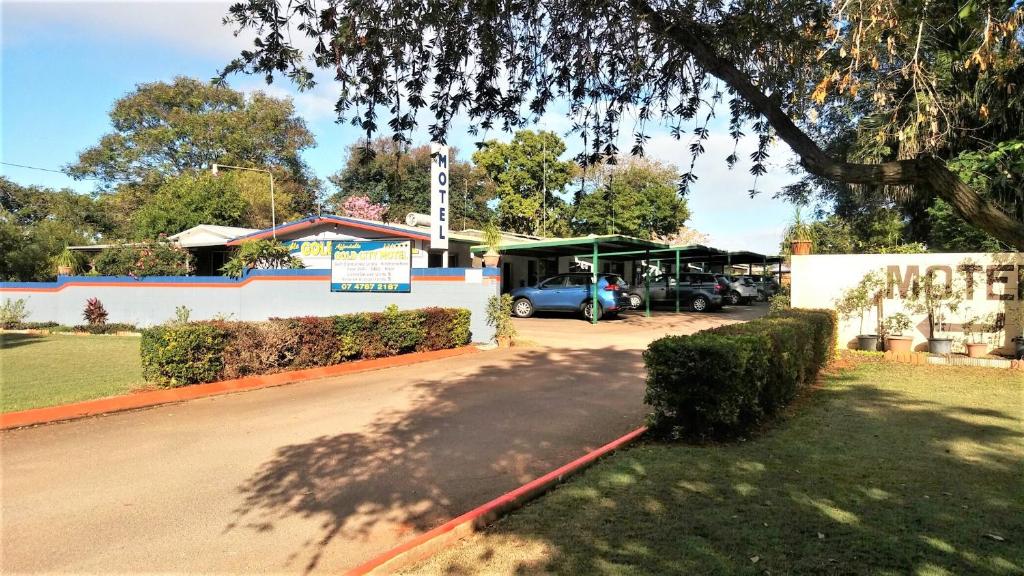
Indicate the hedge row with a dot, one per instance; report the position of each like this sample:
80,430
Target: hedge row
723,382
193,352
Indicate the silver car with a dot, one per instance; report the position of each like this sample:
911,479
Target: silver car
741,290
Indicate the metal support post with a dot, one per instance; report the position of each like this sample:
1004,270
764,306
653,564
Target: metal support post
675,290
593,290
647,287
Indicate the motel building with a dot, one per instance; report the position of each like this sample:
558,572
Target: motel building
524,259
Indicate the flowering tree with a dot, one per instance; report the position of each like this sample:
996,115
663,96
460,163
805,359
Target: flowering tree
362,207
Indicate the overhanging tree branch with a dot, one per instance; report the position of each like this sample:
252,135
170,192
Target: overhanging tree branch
927,173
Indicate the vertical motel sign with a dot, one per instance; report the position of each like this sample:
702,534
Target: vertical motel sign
439,196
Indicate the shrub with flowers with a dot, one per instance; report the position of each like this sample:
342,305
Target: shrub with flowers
148,258
362,207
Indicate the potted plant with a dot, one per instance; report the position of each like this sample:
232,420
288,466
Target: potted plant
936,299
66,262
857,302
800,236
893,328
499,315
972,329
492,239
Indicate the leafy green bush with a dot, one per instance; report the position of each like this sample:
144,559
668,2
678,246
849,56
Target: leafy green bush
444,328
499,315
13,313
394,332
267,254
111,328
723,382
183,354
188,353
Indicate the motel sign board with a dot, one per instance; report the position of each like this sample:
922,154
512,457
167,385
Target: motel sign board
371,266
439,196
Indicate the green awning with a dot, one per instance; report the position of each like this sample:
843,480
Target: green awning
582,246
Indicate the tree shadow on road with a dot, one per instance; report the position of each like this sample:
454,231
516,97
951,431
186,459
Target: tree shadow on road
469,436
865,479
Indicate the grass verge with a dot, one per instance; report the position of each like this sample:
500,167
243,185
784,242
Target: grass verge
48,370
886,469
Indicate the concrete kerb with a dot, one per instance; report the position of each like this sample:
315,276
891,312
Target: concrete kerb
157,397
432,542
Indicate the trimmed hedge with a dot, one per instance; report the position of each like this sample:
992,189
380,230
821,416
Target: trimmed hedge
194,352
725,381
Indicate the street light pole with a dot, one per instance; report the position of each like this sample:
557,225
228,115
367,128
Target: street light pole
273,207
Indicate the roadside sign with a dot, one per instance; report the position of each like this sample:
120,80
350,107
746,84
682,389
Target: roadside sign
371,266
439,196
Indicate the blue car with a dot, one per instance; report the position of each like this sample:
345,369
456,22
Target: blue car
571,293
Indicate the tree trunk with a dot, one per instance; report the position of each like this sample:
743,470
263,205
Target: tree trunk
927,173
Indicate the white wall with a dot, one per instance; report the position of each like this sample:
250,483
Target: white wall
995,285
261,295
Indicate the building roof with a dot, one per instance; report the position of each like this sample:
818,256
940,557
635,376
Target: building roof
208,235
395,230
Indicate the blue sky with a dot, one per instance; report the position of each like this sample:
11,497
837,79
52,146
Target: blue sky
64,64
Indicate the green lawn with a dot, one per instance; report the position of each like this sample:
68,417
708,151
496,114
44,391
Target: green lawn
887,469
38,371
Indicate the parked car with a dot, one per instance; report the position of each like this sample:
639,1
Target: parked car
766,286
571,293
698,291
738,290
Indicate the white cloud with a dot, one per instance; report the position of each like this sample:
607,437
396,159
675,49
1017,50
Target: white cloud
314,105
193,27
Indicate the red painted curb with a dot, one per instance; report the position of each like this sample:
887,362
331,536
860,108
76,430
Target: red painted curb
157,397
430,543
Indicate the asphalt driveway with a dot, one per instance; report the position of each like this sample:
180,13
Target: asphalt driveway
322,475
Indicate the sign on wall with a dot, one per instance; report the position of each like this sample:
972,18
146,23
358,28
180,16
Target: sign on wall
439,196
371,266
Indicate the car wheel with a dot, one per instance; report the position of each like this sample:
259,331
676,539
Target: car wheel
588,310
522,308
732,298
699,304
635,301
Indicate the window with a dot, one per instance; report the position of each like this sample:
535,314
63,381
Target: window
550,283
574,280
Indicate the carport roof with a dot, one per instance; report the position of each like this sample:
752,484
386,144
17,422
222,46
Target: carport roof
579,246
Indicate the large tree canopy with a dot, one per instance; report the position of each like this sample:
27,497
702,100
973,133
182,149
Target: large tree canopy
528,178
36,223
166,130
789,69
397,176
636,197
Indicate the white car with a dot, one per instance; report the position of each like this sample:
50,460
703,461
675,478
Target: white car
741,290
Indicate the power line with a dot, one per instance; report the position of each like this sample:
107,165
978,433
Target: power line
33,167
51,170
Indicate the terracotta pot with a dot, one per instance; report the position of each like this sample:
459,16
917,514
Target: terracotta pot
800,247
898,343
504,342
976,349
65,270
491,258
